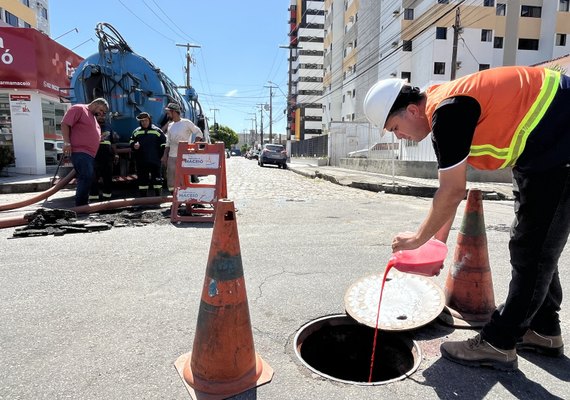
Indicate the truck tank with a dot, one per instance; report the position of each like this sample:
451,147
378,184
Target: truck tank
131,84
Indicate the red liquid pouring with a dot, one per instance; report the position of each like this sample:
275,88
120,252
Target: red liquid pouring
426,260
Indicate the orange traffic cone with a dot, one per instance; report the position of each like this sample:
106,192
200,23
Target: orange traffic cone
469,286
223,361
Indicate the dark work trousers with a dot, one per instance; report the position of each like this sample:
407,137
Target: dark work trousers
149,175
538,236
103,170
83,164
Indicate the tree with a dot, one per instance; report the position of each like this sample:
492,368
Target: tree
224,134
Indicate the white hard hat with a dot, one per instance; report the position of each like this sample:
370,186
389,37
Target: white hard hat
380,99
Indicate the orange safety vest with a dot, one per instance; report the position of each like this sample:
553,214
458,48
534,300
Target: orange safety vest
513,100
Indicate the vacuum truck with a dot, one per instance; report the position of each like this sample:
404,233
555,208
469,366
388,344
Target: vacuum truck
131,84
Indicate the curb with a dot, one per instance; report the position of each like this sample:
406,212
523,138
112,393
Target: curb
11,188
390,188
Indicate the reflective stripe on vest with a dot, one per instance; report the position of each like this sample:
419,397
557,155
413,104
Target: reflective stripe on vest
528,123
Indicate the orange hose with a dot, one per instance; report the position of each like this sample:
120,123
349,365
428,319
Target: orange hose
41,196
95,207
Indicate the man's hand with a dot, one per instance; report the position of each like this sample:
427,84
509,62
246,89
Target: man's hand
67,149
405,241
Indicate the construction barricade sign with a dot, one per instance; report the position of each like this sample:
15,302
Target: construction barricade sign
199,182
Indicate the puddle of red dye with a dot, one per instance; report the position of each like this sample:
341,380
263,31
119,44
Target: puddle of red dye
426,260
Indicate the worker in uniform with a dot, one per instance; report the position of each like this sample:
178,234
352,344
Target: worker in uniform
105,158
147,143
506,117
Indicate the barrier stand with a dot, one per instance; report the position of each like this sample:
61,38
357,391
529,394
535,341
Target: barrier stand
199,199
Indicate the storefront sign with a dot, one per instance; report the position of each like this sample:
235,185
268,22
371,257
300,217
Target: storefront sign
20,104
31,60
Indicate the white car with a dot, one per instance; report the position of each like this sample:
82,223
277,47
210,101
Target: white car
53,151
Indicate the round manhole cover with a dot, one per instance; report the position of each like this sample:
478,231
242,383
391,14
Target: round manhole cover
409,301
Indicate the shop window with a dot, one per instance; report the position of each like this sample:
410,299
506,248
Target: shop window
5,121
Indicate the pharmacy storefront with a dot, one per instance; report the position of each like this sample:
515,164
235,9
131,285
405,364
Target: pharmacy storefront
34,80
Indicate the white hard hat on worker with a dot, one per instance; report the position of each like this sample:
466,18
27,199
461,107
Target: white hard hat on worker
395,106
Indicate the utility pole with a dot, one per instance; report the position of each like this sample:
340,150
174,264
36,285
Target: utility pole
456,30
261,106
271,87
215,124
188,62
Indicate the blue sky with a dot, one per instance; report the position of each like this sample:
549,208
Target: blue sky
239,51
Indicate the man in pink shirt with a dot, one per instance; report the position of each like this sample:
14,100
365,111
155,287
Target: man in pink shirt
81,137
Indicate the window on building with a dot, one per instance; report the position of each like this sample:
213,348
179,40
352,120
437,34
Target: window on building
488,3
43,12
486,35
11,19
498,42
408,13
443,1
406,75
483,67
441,32
26,25
560,39
439,68
343,98
407,45
528,44
564,5
26,3
531,11
501,9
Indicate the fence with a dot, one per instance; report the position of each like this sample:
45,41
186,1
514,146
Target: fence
313,147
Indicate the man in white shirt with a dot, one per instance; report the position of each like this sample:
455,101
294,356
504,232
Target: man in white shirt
178,130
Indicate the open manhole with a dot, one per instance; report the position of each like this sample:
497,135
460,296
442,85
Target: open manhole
339,348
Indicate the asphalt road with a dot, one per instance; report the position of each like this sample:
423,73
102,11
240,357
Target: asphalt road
105,315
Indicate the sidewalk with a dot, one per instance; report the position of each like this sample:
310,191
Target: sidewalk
402,185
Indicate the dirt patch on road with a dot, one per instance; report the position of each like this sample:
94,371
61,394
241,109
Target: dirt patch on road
59,222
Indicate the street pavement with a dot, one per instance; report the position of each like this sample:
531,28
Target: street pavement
105,315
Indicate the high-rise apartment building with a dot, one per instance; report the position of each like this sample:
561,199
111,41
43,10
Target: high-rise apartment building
430,41
25,14
306,53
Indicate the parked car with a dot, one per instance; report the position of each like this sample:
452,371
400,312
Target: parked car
273,154
53,151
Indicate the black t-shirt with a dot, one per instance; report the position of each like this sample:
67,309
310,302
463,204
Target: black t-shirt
453,126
